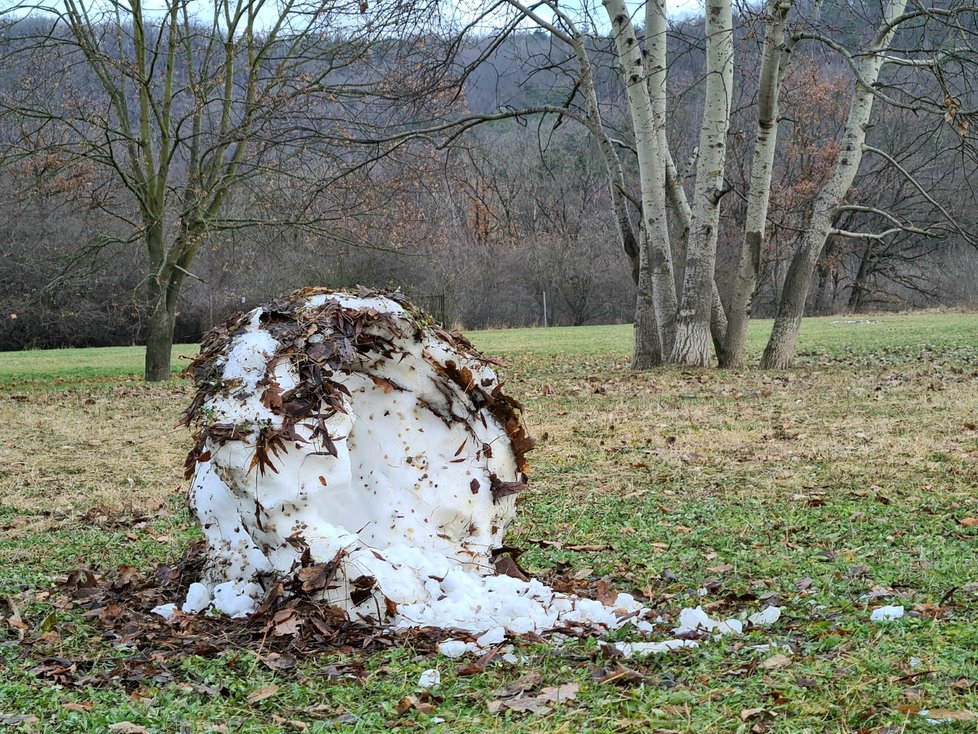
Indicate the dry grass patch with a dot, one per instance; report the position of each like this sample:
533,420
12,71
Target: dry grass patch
68,452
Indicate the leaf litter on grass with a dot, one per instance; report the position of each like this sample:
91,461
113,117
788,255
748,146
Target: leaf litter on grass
735,504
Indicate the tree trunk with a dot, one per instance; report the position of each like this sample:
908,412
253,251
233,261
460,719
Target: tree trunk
859,287
718,323
780,350
164,294
159,338
759,192
646,346
651,164
693,338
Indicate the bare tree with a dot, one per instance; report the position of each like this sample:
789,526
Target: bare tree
866,65
759,188
187,103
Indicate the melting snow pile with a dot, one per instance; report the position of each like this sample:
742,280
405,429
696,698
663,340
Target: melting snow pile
346,443
353,450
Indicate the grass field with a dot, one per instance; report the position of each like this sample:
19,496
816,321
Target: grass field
852,476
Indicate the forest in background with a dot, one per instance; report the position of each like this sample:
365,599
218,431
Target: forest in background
480,229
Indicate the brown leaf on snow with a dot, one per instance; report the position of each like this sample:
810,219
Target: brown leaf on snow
316,577
506,565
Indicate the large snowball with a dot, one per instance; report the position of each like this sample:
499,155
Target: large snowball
347,443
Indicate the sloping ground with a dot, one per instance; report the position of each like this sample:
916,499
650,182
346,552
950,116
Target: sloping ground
833,489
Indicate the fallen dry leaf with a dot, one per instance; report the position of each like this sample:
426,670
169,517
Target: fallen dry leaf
776,661
968,522
949,715
411,702
748,714
525,683
478,666
261,694
79,707
538,704
127,727
291,723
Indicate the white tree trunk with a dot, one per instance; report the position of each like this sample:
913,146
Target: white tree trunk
652,175
759,190
780,350
692,344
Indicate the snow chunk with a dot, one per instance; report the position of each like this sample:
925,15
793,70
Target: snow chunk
768,615
198,598
165,610
431,678
693,620
886,614
454,648
492,637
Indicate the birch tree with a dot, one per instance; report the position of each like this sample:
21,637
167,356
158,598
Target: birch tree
692,345
773,59
866,66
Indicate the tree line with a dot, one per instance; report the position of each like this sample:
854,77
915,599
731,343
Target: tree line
162,168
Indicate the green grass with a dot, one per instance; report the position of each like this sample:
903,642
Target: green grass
70,366
810,488
833,336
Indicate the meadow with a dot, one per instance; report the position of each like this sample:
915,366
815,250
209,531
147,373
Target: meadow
830,489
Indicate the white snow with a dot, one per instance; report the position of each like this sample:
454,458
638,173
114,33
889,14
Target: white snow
886,614
455,648
407,500
165,610
630,649
430,678
198,598
693,620
768,615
